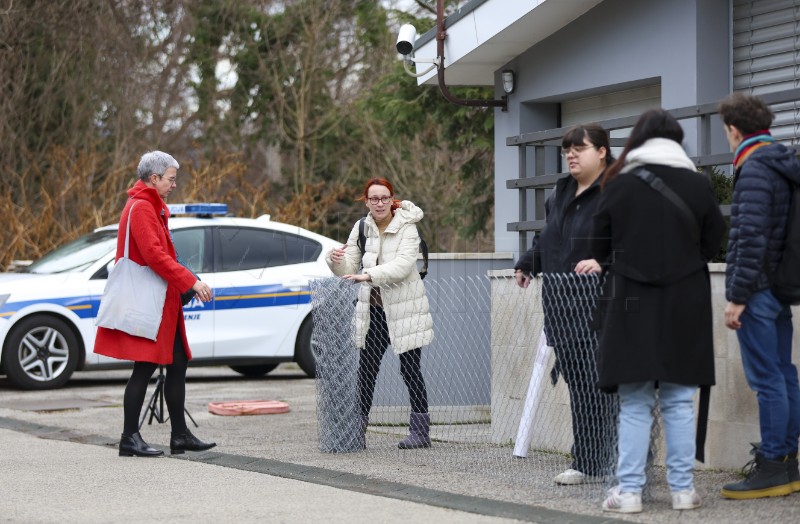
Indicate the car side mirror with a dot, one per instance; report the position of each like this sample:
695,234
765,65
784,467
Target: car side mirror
103,272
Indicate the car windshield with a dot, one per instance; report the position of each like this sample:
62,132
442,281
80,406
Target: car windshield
77,255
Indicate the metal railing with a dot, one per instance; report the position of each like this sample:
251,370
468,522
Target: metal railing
538,180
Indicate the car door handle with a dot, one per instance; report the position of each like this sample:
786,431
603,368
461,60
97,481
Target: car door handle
295,285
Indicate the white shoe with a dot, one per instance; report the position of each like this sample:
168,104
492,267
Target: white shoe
686,499
573,477
619,502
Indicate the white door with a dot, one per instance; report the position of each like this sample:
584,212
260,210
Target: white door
629,102
261,292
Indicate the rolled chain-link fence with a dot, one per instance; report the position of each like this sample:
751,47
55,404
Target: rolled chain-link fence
508,391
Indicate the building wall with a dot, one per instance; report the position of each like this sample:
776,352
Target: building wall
683,45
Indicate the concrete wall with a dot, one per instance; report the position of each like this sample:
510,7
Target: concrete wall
733,417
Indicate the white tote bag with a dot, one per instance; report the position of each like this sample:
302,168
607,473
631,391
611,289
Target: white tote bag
133,300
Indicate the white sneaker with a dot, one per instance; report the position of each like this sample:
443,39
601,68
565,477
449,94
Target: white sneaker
619,502
573,477
686,499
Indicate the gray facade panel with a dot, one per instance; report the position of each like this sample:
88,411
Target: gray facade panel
619,44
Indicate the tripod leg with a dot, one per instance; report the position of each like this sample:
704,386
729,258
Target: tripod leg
153,404
161,418
190,417
150,407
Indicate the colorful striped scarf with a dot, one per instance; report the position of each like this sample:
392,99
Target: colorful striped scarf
750,143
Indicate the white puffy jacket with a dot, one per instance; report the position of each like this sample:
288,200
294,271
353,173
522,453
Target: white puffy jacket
391,261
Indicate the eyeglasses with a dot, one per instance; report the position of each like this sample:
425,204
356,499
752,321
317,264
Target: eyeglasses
382,200
575,150
172,180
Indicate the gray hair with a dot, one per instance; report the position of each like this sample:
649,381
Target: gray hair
155,162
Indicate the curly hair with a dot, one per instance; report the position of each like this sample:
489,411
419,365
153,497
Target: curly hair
748,114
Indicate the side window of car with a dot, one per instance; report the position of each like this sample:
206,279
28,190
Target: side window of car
190,245
250,248
300,250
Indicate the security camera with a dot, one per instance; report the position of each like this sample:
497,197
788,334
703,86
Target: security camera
406,39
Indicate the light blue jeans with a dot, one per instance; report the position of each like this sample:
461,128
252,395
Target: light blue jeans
635,420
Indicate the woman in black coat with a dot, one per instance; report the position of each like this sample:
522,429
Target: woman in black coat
656,227
561,253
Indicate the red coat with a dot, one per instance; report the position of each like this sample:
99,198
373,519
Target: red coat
151,245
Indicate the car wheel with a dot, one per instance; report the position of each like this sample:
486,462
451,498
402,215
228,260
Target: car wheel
254,371
41,352
303,352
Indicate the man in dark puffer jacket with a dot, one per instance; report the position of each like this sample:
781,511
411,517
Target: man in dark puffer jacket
765,174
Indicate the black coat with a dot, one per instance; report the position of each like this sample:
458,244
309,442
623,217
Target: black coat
564,241
567,298
760,211
655,312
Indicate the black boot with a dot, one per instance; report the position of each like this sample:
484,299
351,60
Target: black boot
187,442
792,471
766,478
135,446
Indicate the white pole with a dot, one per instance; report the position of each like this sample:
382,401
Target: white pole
532,398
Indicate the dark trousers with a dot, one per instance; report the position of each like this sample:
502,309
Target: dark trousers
594,413
174,390
370,362
569,303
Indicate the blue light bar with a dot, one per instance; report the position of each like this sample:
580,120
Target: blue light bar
198,209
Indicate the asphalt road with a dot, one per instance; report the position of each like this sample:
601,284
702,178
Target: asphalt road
58,463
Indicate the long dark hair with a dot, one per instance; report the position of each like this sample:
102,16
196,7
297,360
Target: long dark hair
655,123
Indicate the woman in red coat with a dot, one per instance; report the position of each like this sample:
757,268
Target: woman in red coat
151,245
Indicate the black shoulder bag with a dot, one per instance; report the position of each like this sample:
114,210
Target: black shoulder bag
655,183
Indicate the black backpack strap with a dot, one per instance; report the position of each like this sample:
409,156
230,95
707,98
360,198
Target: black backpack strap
362,237
655,183
702,423
423,246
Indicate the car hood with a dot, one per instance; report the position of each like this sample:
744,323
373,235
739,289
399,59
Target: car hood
11,277
25,282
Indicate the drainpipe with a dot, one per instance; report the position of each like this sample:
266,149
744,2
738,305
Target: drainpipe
441,34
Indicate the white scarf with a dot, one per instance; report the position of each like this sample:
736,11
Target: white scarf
661,151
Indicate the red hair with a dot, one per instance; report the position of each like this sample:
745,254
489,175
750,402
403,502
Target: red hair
379,182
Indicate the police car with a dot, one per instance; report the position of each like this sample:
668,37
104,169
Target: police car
260,314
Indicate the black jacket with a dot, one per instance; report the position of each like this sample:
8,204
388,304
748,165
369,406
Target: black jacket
760,210
564,241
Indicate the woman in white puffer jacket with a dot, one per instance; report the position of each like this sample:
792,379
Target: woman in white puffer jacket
392,305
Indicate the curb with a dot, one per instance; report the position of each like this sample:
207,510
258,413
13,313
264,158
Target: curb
333,478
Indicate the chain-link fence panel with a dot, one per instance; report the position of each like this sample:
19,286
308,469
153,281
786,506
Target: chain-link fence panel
505,389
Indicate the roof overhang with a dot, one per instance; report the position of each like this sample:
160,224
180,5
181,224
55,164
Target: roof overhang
484,35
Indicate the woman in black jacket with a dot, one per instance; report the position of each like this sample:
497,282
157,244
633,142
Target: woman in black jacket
561,253
656,310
